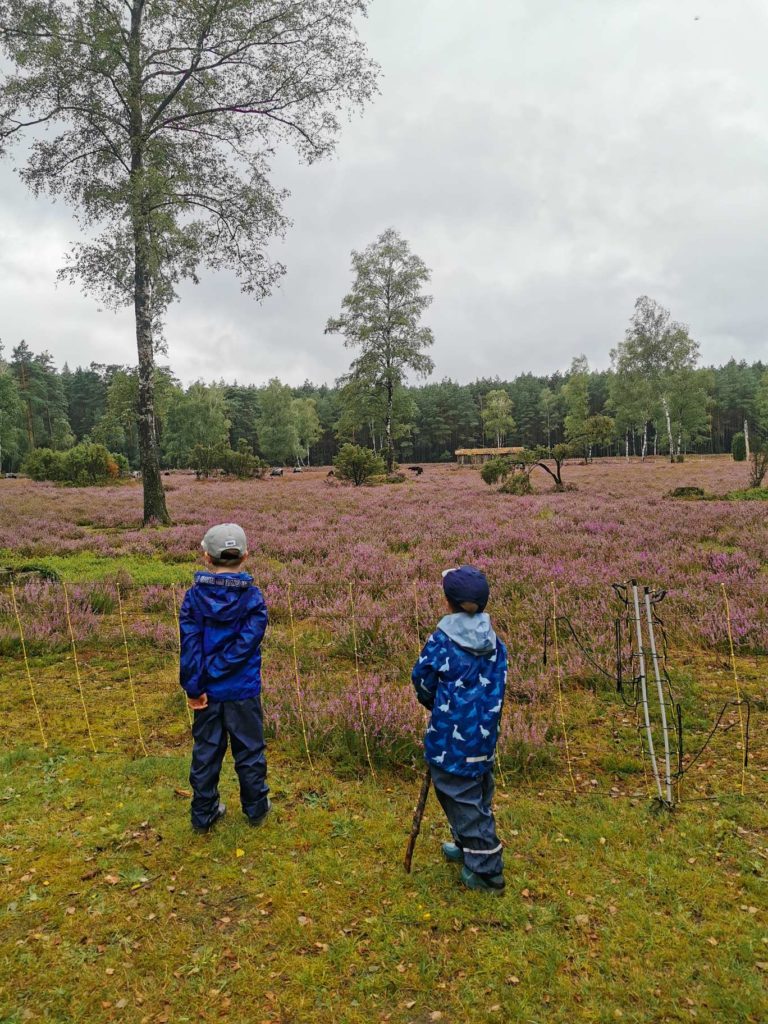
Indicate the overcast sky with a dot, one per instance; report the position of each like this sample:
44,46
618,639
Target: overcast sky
550,160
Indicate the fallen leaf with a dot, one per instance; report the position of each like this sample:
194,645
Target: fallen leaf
239,852
513,980
111,879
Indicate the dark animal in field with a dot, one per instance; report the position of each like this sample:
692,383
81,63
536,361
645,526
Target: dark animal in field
166,474
275,471
417,470
331,473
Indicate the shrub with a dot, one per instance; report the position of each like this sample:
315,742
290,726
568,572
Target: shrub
240,462
86,463
495,469
686,492
517,483
357,464
739,448
44,464
758,465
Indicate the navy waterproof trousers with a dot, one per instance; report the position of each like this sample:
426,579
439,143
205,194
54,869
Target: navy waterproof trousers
467,803
241,723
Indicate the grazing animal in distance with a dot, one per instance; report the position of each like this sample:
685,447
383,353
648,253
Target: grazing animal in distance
417,470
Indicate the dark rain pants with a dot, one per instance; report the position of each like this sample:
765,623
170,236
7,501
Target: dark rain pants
241,723
467,805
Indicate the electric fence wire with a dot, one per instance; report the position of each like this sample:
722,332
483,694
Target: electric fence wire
622,630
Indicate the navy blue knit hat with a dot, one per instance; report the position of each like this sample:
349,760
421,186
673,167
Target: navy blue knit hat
466,584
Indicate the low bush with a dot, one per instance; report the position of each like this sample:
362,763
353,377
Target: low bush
84,465
357,464
739,448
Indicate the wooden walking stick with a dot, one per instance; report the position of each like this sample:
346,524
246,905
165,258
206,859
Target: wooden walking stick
418,814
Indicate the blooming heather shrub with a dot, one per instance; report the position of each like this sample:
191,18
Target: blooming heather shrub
390,545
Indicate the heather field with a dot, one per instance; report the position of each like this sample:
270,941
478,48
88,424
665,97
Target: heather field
612,911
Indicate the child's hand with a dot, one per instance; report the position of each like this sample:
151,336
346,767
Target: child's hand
198,703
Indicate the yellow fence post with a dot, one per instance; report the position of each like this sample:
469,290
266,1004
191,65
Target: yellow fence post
128,666
560,688
26,664
359,686
738,687
178,644
298,683
77,667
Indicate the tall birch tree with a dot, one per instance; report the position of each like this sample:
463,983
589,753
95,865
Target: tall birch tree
382,317
655,371
156,120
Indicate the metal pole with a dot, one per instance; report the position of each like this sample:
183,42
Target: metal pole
644,688
660,690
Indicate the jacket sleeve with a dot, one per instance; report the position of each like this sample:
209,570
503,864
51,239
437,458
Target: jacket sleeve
191,659
244,644
425,677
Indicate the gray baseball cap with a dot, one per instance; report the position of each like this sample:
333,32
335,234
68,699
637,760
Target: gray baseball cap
225,537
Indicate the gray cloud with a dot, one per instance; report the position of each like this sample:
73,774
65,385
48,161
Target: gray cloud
549,161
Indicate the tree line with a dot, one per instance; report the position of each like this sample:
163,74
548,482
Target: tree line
700,409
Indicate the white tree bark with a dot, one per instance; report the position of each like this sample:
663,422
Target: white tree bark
665,407
746,437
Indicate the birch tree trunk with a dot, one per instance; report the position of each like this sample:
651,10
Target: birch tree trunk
388,425
665,406
644,450
746,437
154,496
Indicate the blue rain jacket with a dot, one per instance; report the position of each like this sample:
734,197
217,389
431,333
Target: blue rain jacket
222,621
461,677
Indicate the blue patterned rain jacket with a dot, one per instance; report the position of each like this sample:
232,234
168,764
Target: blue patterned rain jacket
461,677
223,619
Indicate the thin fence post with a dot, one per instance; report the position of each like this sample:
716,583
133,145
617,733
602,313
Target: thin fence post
26,665
77,667
298,683
130,673
660,692
738,688
560,688
644,689
359,686
178,644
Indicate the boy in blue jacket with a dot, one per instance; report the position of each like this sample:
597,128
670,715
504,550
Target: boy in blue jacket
461,678
222,621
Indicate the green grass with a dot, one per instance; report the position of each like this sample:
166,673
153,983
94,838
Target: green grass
113,910
85,567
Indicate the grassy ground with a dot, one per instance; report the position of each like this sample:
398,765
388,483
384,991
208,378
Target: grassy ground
112,910
115,911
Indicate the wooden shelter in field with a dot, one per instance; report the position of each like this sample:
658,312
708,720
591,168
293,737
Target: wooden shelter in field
477,456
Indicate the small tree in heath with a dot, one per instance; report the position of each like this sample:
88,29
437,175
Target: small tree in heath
357,464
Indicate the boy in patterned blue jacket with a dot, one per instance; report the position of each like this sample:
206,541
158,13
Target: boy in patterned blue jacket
222,622
461,677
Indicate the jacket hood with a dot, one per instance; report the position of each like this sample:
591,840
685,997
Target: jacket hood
219,596
472,632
